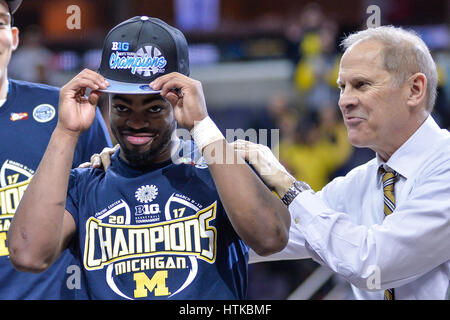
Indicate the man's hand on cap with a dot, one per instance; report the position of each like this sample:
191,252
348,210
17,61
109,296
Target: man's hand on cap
186,96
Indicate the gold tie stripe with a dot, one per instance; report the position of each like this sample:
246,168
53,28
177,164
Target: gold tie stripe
389,178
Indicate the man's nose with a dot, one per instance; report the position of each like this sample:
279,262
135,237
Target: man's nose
137,122
347,100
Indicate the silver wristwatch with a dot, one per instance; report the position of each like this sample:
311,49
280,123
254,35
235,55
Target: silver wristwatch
294,190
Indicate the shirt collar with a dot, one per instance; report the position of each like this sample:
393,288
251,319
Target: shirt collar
409,156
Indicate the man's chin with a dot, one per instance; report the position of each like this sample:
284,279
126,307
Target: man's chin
138,155
139,159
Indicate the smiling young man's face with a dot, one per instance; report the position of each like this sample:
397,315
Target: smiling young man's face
143,126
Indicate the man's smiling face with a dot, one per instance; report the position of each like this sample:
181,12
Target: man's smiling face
373,108
143,126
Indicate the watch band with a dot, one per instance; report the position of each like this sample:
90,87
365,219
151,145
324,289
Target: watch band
294,190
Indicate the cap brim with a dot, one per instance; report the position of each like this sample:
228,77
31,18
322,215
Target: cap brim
129,88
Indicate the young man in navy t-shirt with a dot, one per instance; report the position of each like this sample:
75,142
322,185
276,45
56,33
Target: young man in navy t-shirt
170,218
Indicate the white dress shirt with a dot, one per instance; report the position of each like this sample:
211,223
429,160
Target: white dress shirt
343,226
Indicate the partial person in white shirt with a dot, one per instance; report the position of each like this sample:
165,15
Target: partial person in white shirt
388,83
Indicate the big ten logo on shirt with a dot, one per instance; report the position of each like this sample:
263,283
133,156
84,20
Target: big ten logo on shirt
14,179
146,256
147,212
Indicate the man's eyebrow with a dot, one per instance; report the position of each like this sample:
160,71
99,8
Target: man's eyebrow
353,79
152,98
5,15
340,83
127,101
148,100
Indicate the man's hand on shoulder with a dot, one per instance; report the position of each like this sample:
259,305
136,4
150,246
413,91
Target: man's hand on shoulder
101,160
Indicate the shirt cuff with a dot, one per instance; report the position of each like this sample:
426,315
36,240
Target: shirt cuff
305,207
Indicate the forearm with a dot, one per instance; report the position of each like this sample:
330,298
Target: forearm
36,234
257,215
295,249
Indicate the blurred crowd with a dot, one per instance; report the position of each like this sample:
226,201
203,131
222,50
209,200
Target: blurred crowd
313,141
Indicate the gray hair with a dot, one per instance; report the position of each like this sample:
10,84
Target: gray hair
404,54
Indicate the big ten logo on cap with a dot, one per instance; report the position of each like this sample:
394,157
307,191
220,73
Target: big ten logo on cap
121,46
146,61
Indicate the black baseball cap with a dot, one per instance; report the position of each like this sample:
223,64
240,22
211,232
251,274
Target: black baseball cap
13,5
139,50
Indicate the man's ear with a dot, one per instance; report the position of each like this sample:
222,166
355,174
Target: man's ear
15,37
417,89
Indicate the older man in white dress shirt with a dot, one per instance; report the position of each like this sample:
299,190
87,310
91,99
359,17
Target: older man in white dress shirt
391,215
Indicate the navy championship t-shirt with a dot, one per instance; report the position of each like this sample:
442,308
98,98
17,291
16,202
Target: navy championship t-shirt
27,120
158,234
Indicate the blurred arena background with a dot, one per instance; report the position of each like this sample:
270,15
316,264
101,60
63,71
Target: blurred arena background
264,65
